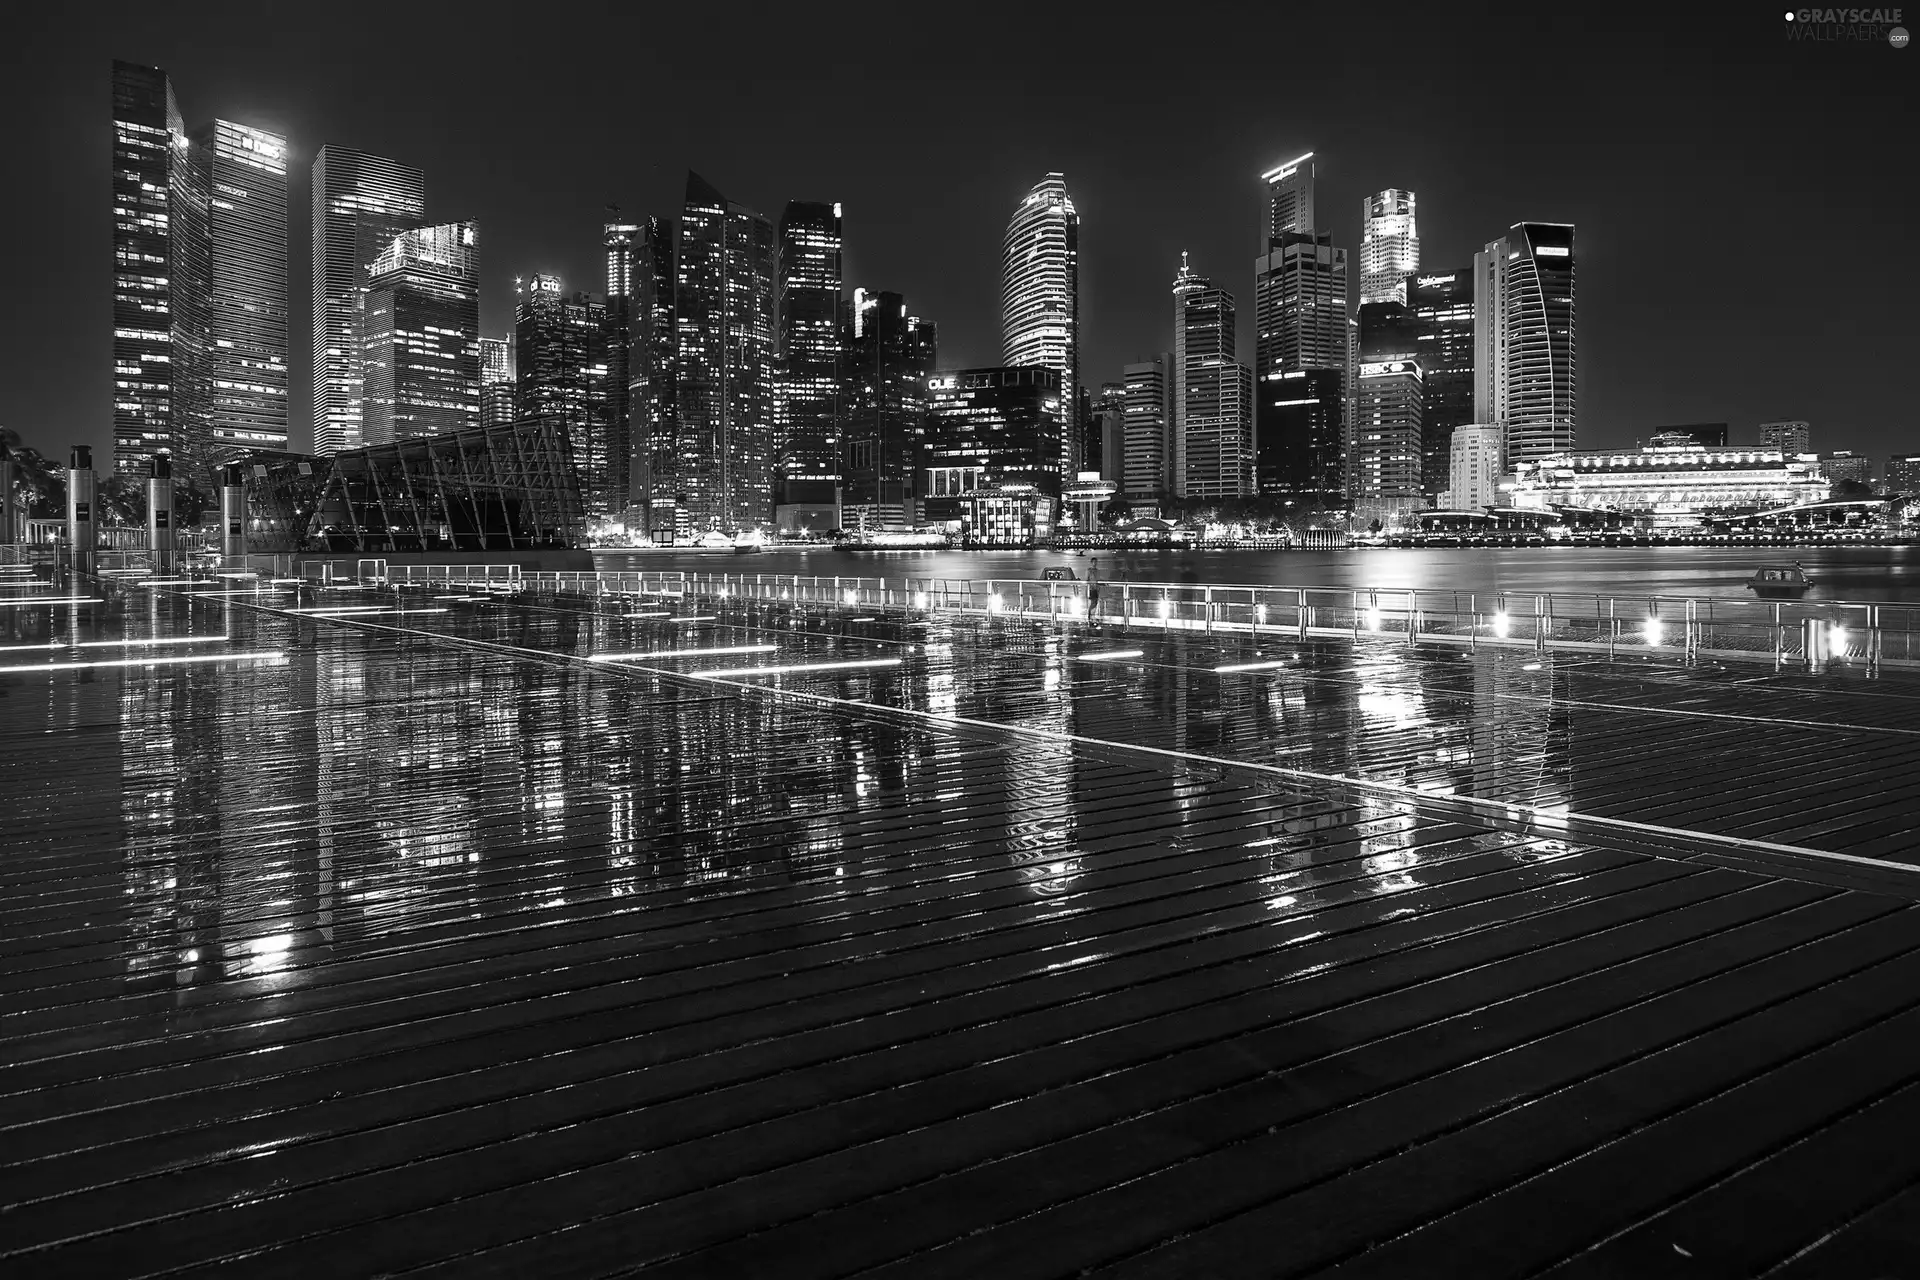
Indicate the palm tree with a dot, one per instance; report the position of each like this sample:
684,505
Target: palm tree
39,486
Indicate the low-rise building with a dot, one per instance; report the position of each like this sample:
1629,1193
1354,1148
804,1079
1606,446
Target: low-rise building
1669,485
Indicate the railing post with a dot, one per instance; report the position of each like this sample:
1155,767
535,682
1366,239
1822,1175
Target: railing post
1206,597
1692,643
1300,610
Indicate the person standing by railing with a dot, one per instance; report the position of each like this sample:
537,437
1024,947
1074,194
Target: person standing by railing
1093,584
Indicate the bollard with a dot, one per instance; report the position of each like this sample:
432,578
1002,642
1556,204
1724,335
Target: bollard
80,508
233,515
160,522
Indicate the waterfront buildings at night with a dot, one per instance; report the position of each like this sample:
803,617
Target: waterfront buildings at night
888,356
1789,436
1673,485
420,336
1217,455
1442,304
650,383
1040,296
564,380
1384,439
497,382
1525,341
246,286
360,203
995,428
1902,476
1151,415
722,459
1389,246
807,379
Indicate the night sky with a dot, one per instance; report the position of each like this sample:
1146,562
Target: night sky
1741,200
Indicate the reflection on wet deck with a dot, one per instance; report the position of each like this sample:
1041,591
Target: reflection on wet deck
389,952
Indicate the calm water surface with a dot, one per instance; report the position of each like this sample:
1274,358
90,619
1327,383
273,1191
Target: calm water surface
1839,573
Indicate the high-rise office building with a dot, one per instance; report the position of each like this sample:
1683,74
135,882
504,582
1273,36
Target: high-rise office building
420,336
1040,295
1389,246
807,382
621,242
888,355
650,382
990,427
1383,458
1474,466
1524,339
360,203
1788,437
1303,348
560,359
160,391
245,172
1148,464
1442,303
1903,474
1217,455
724,330
497,407
1185,285
1106,438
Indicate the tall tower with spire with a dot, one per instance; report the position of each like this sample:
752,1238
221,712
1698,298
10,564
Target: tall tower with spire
1185,285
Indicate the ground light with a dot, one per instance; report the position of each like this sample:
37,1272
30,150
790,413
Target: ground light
1500,625
1653,631
1111,655
781,671
151,662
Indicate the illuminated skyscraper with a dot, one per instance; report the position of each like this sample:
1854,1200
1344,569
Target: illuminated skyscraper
496,382
807,384
1389,246
1040,295
650,394
724,330
360,203
623,242
245,171
1217,451
1524,339
1383,460
888,356
1150,426
1303,346
1442,302
988,428
1788,437
420,336
560,359
160,278
1185,285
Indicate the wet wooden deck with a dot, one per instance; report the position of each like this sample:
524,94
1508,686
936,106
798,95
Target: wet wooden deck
397,955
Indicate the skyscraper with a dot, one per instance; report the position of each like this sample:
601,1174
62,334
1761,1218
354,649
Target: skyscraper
621,241
724,326
1389,246
1524,339
1788,437
1303,348
1185,285
650,381
1442,303
807,384
990,427
1150,420
1040,294
1383,462
420,336
560,358
1217,457
360,203
245,172
497,382
888,357
160,391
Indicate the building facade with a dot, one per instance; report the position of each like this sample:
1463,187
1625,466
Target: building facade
1844,466
1185,285
1389,246
1300,417
621,241
1525,348
562,372
722,462
244,171
497,407
1040,296
1384,465
1304,353
1903,474
360,203
1217,449
1442,305
651,357
1147,454
807,383
1675,485
420,336
991,428
882,416
1791,436
1474,467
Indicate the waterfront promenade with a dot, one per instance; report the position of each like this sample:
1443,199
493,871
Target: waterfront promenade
568,935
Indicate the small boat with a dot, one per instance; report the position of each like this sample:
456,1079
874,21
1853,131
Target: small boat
1780,581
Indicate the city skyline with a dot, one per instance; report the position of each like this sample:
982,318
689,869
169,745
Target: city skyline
930,228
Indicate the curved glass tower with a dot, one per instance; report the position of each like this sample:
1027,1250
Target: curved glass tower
1040,294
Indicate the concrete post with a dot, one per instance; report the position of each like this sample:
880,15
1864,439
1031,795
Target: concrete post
160,522
233,516
81,516
7,536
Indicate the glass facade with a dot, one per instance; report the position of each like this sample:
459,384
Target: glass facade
1389,246
1299,415
497,390
1149,427
420,336
245,173
1442,304
1524,339
807,384
988,427
360,203
889,355
560,361
1384,435
1217,451
624,245
723,329
650,382
1040,296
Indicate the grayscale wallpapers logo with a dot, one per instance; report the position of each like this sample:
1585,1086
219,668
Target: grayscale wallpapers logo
1853,26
